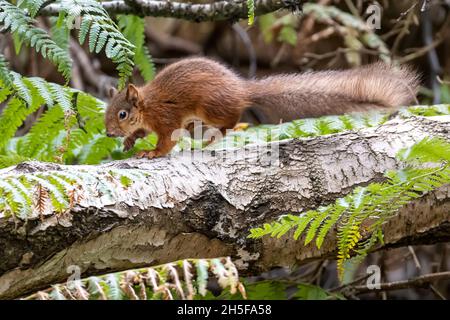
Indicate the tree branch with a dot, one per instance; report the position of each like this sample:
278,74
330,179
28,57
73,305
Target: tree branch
202,205
220,10
420,281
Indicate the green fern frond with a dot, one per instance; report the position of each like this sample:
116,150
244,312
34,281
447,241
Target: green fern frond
32,6
48,139
5,93
315,223
251,12
133,28
47,92
324,127
61,190
62,97
295,130
42,87
144,62
50,131
16,202
370,206
427,150
19,23
5,73
426,111
334,215
12,118
347,122
11,159
84,30
97,149
60,31
93,36
46,128
112,284
21,88
103,34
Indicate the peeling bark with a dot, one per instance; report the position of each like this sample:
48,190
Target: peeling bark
203,204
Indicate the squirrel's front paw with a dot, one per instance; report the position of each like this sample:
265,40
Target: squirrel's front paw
128,143
146,154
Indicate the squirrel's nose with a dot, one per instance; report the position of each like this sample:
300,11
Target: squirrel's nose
111,135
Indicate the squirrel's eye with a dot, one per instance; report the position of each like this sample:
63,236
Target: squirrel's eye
123,115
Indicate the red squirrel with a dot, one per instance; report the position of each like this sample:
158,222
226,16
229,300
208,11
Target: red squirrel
204,89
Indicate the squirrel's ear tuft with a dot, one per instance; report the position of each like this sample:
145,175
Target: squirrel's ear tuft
132,94
112,92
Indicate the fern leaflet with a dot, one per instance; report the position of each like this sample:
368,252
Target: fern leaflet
103,34
19,23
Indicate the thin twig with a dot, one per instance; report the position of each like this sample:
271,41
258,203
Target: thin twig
413,254
439,38
242,33
404,31
339,288
420,281
437,292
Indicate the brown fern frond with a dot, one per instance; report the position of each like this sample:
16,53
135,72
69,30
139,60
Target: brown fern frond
74,195
41,200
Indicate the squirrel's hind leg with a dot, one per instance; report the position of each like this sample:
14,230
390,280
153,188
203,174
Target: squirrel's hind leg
223,128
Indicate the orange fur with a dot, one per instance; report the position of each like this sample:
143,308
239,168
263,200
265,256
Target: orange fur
204,89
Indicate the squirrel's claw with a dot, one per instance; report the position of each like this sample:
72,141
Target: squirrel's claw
146,154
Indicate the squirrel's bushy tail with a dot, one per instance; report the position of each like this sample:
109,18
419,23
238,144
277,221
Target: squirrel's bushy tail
313,94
